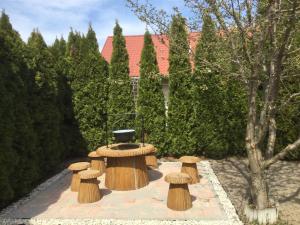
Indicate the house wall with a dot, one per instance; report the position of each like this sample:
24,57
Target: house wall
165,86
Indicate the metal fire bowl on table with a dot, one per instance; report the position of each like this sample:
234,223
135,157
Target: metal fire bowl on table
126,167
124,136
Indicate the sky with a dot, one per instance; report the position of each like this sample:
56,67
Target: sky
55,18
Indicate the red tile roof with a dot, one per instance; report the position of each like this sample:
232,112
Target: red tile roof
134,45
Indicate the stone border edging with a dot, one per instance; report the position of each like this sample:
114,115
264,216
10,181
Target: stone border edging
223,198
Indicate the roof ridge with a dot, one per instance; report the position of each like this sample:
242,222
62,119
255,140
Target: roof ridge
138,35
142,35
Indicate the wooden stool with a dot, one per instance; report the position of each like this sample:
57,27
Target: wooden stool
88,189
189,166
97,162
151,159
179,197
76,168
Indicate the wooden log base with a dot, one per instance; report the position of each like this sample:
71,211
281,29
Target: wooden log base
97,162
151,160
89,191
191,169
179,197
126,173
75,181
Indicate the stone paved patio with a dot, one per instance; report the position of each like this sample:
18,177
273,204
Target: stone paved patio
54,203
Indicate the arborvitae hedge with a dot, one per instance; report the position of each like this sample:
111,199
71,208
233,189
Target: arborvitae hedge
208,94
7,152
120,98
69,130
219,102
180,105
73,59
150,101
44,103
90,100
19,139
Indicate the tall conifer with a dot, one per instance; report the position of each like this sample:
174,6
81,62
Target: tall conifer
180,104
7,152
69,130
91,99
74,58
150,102
120,99
218,104
16,80
44,102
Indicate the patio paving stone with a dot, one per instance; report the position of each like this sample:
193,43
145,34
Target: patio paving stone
54,203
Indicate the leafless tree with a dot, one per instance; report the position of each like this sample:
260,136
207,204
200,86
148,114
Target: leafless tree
260,33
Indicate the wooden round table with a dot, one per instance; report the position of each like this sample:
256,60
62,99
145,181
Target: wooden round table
126,166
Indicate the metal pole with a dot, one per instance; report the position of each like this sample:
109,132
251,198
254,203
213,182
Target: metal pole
106,129
143,132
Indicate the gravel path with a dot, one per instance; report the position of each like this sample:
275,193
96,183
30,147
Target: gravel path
284,185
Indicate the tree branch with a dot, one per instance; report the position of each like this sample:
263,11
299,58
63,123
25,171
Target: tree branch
283,153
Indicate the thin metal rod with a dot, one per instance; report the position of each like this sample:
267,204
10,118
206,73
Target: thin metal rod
143,133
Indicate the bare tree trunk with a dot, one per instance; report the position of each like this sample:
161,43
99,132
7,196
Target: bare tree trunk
258,187
271,139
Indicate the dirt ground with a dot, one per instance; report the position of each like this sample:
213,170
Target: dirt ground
284,185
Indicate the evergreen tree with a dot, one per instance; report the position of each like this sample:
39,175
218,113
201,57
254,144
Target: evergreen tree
73,56
120,99
7,152
218,108
180,105
15,79
91,99
73,46
69,130
150,101
73,59
44,102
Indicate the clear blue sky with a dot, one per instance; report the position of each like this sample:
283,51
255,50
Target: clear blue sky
56,17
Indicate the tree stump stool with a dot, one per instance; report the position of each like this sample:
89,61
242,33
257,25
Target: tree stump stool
97,162
179,197
189,166
88,189
76,168
151,159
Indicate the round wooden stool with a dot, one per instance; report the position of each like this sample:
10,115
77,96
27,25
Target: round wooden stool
189,166
151,159
76,168
179,197
97,162
88,189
